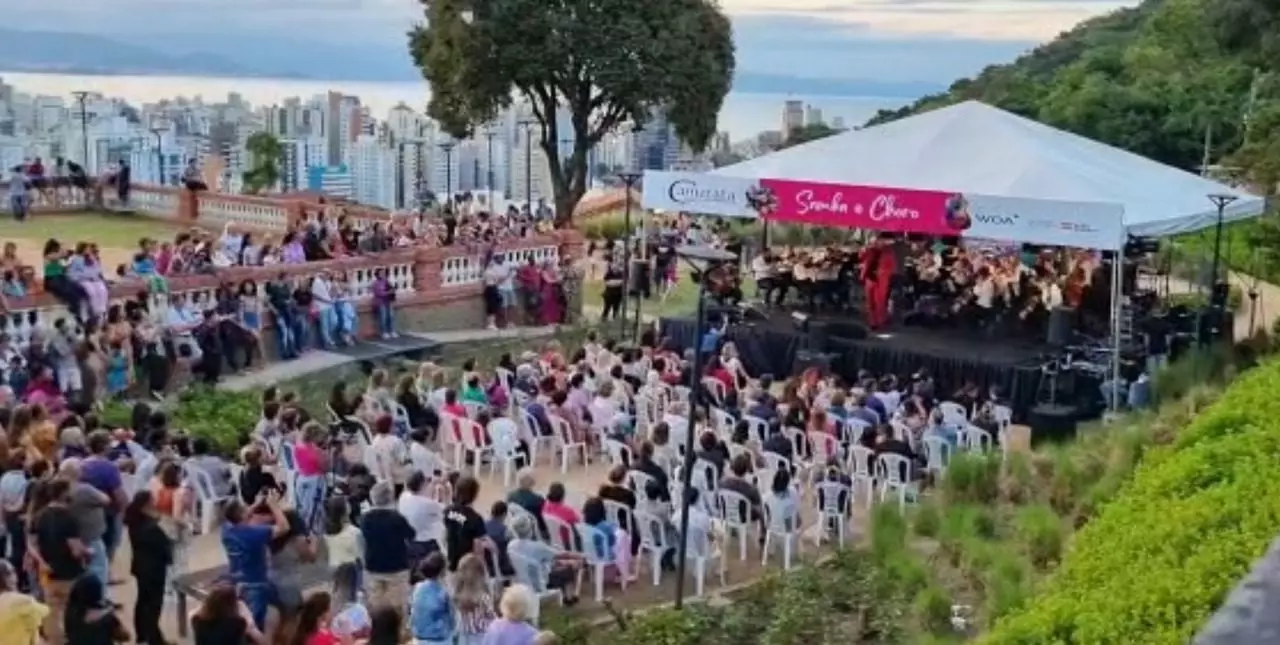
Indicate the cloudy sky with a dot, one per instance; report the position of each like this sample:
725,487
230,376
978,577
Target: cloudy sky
916,40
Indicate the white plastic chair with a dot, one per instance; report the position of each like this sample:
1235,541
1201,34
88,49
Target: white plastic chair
206,498
953,413
505,450
734,509
976,439
470,448
535,576
937,454
516,511
596,561
757,428
834,500
473,408
562,434
851,430
717,390
701,553
860,465
537,440
722,421
894,474
620,454
560,534
653,541
705,479
782,528
638,482
619,514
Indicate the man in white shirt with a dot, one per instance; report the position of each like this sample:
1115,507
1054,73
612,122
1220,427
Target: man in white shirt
494,275
424,514
180,321
322,296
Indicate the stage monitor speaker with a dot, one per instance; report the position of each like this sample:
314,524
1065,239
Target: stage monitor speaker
1059,333
818,336
1220,296
641,283
846,329
806,359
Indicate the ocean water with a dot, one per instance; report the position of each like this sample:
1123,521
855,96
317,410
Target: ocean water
744,113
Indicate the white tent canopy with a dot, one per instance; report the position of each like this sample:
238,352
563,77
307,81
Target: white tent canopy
975,148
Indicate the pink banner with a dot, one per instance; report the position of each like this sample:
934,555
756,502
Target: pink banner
895,210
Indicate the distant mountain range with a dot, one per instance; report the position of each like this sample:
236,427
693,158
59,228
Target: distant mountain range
73,53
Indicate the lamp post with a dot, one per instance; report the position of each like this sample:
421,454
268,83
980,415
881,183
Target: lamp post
488,182
159,155
628,180
447,147
699,258
528,163
1221,201
81,95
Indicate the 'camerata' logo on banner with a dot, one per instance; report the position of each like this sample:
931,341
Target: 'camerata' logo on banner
687,191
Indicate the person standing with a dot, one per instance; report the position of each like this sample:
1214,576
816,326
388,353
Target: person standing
103,474
59,551
89,505
387,535
152,555
246,545
613,290
18,197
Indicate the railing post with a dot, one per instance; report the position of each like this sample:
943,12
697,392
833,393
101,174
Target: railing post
188,205
428,267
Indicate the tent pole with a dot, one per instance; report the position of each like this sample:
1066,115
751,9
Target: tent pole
1117,273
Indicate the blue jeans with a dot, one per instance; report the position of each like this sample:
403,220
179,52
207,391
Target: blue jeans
259,596
337,321
114,534
385,313
286,341
99,563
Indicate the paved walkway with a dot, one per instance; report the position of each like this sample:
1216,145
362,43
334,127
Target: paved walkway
321,360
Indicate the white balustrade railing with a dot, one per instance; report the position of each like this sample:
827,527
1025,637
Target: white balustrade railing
218,210
469,269
160,204
21,322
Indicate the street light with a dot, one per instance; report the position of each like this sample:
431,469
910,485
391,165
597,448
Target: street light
159,154
81,96
528,163
447,147
700,259
1221,201
628,180
489,134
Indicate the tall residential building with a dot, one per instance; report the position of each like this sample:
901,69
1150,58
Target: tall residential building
443,167
330,180
373,172
297,156
530,172
330,128
837,122
792,116
813,115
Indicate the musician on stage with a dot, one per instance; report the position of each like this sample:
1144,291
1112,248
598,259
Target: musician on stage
878,267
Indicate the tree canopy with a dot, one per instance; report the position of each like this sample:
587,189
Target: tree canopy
1153,79
808,132
603,62
264,163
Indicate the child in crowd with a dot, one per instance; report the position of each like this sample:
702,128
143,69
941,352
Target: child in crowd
431,608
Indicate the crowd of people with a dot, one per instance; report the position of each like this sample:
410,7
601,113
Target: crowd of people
382,491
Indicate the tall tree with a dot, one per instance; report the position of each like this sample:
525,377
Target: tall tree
808,132
265,153
264,162
604,62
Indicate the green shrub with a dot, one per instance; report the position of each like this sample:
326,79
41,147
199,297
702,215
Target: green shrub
1197,366
926,518
932,609
1041,534
888,530
221,417
972,478
1157,560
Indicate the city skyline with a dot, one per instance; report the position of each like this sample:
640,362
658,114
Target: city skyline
334,143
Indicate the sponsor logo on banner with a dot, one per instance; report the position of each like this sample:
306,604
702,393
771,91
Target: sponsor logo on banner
886,209
704,193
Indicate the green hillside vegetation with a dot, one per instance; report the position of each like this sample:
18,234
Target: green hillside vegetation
1151,80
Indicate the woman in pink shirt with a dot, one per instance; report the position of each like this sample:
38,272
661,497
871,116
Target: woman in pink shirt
309,487
555,507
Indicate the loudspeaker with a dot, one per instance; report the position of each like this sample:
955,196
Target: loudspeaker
640,281
847,329
1059,332
1221,292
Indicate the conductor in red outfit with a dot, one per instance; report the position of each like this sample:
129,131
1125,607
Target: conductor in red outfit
878,267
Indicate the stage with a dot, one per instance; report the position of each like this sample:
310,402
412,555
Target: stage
952,357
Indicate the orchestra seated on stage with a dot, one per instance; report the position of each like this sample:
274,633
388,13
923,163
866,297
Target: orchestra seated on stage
936,284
